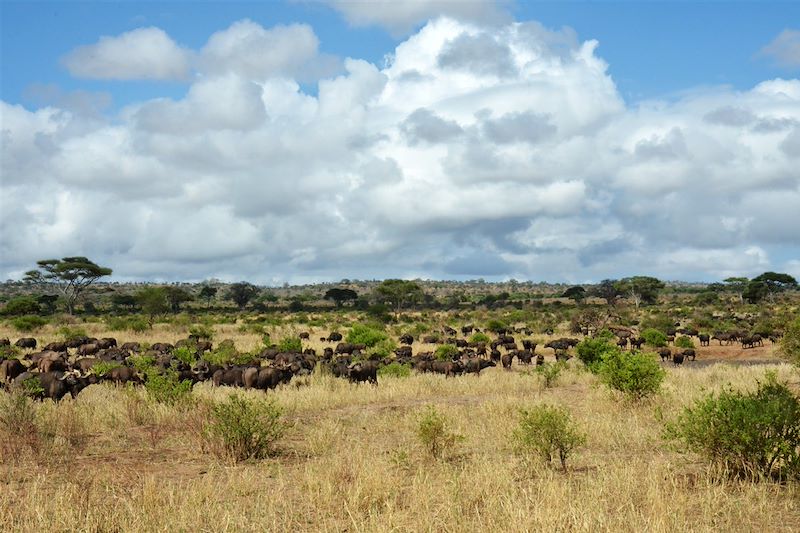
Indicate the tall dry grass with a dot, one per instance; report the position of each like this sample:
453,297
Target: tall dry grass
351,461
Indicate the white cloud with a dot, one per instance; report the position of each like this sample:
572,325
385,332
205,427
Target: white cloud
785,49
427,166
143,53
401,17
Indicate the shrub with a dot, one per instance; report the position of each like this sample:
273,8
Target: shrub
550,373
395,370
547,432
164,387
790,343
383,349
636,375
684,342
21,305
202,331
70,333
363,334
185,355
142,363
654,338
241,428
223,354
290,344
101,368
446,352
495,325
434,433
480,337
18,428
591,351
28,323
749,434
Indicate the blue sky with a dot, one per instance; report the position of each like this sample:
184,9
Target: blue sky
314,141
654,49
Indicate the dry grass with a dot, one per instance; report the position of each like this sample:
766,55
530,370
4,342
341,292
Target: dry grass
351,462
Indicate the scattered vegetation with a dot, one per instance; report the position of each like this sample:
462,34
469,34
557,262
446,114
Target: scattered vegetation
241,428
636,375
547,432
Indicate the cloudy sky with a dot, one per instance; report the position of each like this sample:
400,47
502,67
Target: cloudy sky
315,141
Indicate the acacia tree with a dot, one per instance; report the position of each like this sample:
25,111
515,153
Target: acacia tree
241,293
70,275
154,302
576,293
339,296
737,286
768,285
176,296
640,289
398,293
208,293
607,289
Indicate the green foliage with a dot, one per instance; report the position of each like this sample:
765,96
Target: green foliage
28,323
446,352
21,305
790,343
241,293
684,342
480,337
550,373
364,334
202,331
591,350
225,353
395,370
398,293
185,355
384,348
240,428
290,344
654,338
143,363
641,289
496,325
434,433
101,368
153,301
71,333
547,432
72,275
164,387
750,434
32,386
636,375
18,416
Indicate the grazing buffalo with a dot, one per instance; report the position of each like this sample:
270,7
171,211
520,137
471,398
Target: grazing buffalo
448,368
406,339
26,342
334,337
677,358
475,365
690,353
665,353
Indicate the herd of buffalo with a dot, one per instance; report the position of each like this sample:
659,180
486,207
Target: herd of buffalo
61,368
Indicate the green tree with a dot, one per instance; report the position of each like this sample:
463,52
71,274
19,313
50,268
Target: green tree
576,293
21,305
640,289
607,289
339,296
176,296
736,286
153,301
208,293
790,343
70,275
241,293
775,282
398,293
124,300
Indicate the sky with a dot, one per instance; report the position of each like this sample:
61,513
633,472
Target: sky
308,141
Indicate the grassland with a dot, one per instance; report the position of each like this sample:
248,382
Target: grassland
112,460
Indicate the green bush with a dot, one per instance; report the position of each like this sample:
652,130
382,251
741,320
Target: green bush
591,350
185,355
654,338
71,333
446,352
495,325
101,368
225,353
550,373
21,305
28,323
383,349
636,375
749,434
363,334
480,337
395,370
202,331
684,342
434,433
790,343
290,344
547,432
241,428
142,363
164,387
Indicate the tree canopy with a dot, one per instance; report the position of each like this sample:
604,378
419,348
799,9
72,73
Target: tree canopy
607,289
71,275
241,293
398,293
339,296
640,289
576,293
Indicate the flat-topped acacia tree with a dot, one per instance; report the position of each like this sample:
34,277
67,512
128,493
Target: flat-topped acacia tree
71,275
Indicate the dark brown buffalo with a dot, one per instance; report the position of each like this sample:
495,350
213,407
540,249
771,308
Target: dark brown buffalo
10,369
26,342
448,368
56,347
88,349
475,365
406,339
665,353
363,371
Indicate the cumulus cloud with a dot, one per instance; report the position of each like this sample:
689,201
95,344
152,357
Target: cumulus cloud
785,49
524,162
401,17
143,53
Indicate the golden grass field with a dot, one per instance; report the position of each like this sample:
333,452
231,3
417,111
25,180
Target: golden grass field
114,461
